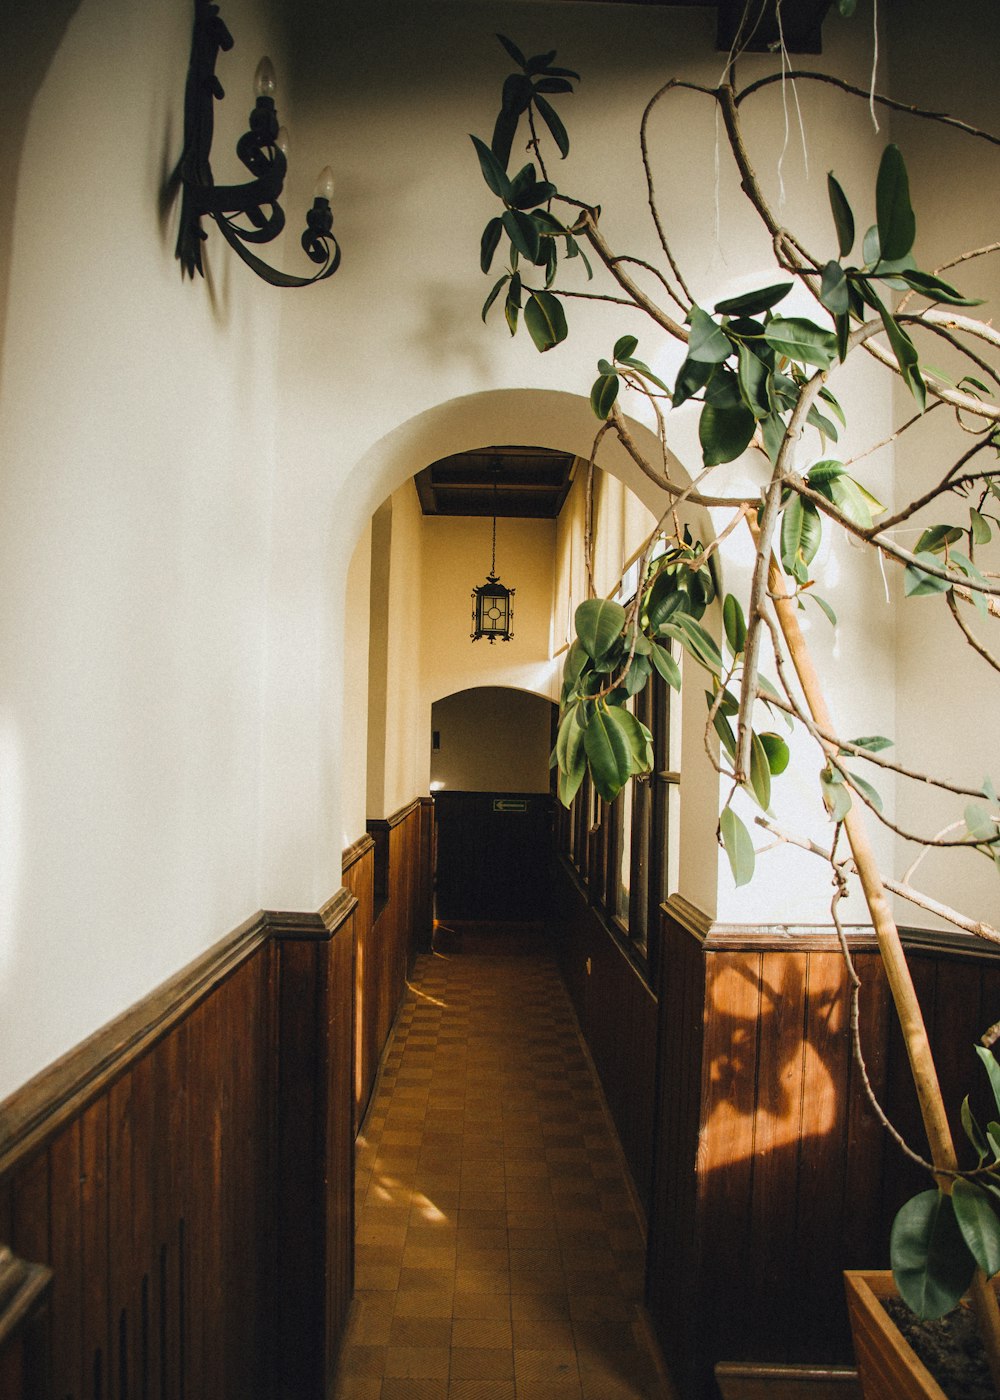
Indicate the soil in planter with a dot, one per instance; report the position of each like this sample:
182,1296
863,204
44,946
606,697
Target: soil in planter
950,1348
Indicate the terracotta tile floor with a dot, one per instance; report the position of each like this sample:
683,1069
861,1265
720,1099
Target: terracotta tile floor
499,1255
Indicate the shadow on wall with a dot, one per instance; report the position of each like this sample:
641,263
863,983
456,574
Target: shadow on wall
34,33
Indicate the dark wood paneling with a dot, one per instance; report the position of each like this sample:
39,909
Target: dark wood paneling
315,978
617,1015
793,1179
148,1171
388,937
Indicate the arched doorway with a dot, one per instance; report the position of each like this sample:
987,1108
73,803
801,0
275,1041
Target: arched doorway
490,781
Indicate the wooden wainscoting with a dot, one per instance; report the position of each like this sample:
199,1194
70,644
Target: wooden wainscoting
617,1014
391,874
772,1174
186,1174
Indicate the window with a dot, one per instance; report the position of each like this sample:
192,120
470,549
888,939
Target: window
624,852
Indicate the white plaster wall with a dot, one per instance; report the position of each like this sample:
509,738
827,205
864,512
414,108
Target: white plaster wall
353,746
946,701
186,470
137,423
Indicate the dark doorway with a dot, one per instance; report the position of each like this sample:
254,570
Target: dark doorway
493,855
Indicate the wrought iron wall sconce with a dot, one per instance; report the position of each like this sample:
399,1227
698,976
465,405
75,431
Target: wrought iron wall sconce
262,149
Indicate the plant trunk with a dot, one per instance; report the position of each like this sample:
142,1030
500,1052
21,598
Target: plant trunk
922,1068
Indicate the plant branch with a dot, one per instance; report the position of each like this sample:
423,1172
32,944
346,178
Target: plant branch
971,638
908,107
651,196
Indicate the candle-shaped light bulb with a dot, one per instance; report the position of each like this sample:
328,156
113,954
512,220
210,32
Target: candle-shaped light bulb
265,82
324,184
281,140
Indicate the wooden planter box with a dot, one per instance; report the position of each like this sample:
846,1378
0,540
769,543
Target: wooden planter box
888,1367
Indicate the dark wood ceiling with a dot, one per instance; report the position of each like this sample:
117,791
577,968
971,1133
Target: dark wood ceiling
756,22
514,481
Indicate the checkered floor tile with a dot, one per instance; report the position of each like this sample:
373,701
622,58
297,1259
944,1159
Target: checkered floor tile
499,1255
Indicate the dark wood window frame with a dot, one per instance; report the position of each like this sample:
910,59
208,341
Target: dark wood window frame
591,839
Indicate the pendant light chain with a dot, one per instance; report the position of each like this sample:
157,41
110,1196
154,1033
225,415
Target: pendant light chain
493,565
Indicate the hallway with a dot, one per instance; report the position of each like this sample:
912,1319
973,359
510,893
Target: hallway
499,1254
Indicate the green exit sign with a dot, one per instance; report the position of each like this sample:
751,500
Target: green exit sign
510,804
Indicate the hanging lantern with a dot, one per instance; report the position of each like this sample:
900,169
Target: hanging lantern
492,614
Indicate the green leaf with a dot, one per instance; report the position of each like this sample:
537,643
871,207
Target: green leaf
979,1225
842,216
493,172
735,623
981,825
824,425
603,395
821,474
981,532
738,846
570,754
492,234
992,1069
851,501
637,674
640,741
847,7
692,376
828,396
693,637
897,226
801,531
870,792
936,289
513,303
760,772
777,751
974,1132
708,344
724,729
754,303
667,666
624,347
724,433
513,50
644,370
495,293
802,340
836,797
875,743
774,435
574,666
522,232
752,377
608,751
916,583
823,606
931,1262
599,623
833,290
554,123
545,320
906,354
933,540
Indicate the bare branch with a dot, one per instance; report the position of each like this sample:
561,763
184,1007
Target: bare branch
970,637
651,196
879,759
890,102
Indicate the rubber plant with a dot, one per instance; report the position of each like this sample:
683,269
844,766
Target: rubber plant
761,378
